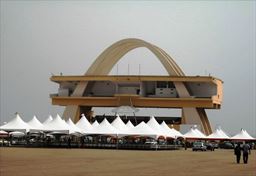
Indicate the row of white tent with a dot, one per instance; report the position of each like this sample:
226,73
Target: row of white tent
117,128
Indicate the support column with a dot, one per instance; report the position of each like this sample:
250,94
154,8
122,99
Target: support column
72,112
193,115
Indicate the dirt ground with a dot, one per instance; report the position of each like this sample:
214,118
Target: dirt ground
91,162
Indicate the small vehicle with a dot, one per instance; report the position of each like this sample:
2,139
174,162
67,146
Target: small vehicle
199,146
151,144
226,145
210,146
215,145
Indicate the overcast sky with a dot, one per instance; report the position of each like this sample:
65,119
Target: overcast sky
40,38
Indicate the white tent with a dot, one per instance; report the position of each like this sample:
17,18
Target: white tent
104,128
242,136
141,129
119,124
16,124
57,125
48,120
74,130
194,133
35,124
129,125
218,134
152,123
95,123
202,135
83,124
172,131
223,132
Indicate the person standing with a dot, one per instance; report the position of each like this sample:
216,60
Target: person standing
238,153
246,151
69,142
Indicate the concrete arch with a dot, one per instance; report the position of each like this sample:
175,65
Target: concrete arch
110,56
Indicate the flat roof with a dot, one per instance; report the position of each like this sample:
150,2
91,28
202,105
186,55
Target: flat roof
132,78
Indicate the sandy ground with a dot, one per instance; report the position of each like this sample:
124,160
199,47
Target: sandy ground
90,162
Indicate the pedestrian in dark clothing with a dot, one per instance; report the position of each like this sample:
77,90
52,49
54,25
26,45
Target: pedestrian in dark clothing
246,151
238,153
185,145
69,142
82,142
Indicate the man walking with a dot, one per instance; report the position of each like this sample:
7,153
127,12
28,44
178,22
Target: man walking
238,153
246,151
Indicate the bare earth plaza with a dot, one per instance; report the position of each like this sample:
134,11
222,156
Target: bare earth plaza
94,162
151,121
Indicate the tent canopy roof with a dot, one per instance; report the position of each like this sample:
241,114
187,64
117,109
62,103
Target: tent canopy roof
242,135
194,133
16,124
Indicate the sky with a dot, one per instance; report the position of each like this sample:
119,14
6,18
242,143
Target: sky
48,37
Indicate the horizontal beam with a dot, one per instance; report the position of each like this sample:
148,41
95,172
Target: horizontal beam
136,102
134,78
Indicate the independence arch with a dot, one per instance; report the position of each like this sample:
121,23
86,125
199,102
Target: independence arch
110,56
